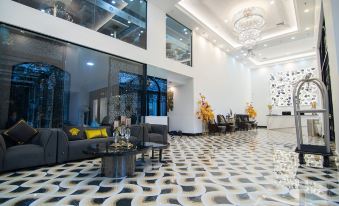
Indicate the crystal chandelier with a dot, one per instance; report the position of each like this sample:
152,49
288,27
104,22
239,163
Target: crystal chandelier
248,23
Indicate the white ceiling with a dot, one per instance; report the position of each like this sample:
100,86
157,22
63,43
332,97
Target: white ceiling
288,32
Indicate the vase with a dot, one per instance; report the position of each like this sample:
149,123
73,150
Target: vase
204,128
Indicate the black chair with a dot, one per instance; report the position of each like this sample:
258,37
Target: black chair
242,122
213,128
222,121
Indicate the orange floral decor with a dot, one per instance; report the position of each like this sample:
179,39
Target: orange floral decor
251,111
205,112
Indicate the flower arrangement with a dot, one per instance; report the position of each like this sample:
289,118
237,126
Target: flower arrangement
205,112
251,111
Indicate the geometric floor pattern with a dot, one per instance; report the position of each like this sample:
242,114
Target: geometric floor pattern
244,168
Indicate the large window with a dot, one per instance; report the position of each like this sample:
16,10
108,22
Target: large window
124,20
156,96
50,83
178,42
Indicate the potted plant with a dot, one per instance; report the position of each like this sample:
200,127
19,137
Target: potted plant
205,112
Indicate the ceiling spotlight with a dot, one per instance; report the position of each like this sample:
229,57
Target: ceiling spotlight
226,21
307,28
214,40
90,64
186,32
111,34
129,22
244,54
271,2
142,31
185,29
292,37
180,39
196,28
306,10
114,2
131,0
43,10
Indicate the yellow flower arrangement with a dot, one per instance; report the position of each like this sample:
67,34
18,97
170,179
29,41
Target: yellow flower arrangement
205,112
251,111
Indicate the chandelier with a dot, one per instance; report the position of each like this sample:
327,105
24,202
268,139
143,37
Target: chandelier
248,23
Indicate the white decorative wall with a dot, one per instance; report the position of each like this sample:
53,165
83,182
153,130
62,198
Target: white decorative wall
282,84
261,83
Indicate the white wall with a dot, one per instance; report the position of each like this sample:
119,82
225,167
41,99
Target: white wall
261,86
332,28
224,81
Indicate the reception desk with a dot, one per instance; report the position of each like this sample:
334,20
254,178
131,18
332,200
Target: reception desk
287,121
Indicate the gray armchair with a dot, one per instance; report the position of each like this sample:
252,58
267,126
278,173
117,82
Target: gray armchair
41,150
156,133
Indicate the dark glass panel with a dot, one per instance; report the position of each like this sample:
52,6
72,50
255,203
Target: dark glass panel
50,83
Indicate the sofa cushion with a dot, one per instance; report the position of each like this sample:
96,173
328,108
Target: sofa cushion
20,133
154,137
73,133
22,156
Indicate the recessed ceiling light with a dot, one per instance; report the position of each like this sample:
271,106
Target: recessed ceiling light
292,37
90,64
306,10
244,54
129,22
197,28
186,32
272,2
114,2
307,28
180,39
142,31
185,29
131,0
226,21
43,10
111,34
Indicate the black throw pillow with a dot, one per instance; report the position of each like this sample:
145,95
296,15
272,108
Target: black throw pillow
74,133
20,133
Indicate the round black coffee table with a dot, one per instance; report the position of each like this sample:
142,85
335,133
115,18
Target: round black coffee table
116,161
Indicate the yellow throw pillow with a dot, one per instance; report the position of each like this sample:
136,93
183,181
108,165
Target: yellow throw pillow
104,132
96,133
93,133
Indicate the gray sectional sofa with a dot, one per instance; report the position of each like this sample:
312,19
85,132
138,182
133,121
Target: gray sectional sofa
40,150
52,146
74,150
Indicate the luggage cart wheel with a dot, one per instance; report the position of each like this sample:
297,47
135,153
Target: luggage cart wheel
301,159
326,162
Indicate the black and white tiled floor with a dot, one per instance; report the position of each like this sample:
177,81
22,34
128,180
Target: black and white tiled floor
245,168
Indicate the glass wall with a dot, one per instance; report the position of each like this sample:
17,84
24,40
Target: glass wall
178,42
50,83
124,20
